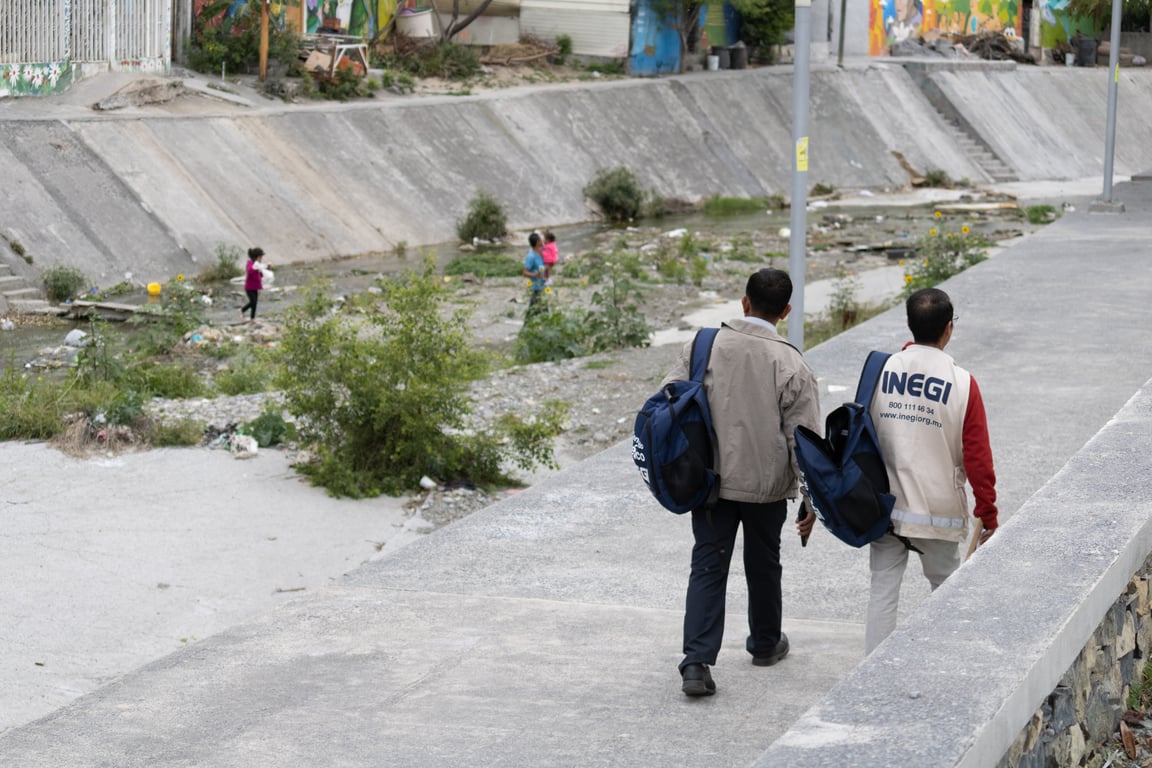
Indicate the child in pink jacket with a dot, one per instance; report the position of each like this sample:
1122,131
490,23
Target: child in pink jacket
253,279
551,256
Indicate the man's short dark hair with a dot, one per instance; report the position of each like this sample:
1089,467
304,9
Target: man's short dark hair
533,240
929,312
769,291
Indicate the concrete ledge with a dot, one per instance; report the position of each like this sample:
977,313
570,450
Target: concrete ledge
959,680
1106,206
952,65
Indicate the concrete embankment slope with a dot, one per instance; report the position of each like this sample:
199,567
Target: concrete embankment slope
154,193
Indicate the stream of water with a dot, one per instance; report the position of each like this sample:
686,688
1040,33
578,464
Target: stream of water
835,232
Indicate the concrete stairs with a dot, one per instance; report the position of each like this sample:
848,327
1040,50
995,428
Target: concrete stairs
978,153
956,126
19,298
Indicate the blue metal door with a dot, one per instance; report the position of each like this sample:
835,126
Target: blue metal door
655,43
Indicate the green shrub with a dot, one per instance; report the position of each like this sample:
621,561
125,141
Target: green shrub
822,190
551,334
63,283
180,311
485,265
698,269
564,43
1140,692
344,84
485,220
615,320
1041,214
384,395
18,248
743,249
270,428
935,177
248,374
92,398
688,246
940,256
450,61
227,265
843,307
669,264
184,432
763,24
31,408
399,82
127,407
171,380
617,193
122,288
232,41
607,67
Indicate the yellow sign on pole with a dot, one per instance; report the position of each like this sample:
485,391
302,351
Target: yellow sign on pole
802,154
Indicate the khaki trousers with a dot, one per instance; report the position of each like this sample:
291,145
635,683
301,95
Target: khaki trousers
887,558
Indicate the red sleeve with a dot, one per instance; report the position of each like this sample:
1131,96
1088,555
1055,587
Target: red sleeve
978,458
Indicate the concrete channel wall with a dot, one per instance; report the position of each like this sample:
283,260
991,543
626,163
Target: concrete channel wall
156,194
1056,613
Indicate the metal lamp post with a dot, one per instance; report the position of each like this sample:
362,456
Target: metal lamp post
1106,204
799,211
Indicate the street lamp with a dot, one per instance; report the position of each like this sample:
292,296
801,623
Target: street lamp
1106,204
799,214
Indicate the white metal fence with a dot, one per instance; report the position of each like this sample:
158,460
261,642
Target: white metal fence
33,30
124,33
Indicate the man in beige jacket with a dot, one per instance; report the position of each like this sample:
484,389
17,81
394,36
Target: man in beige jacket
759,390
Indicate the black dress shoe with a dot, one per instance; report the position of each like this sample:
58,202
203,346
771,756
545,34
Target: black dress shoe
779,652
697,680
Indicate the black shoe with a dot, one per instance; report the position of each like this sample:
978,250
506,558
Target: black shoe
778,653
697,680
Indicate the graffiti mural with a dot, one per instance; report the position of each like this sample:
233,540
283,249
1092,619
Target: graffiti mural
892,21
1058,26
35,79
352,17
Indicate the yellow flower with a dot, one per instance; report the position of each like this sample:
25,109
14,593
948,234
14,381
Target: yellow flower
548,289
965,229
932,232
179,278
937,214
529,283
901,262
447,278
907,278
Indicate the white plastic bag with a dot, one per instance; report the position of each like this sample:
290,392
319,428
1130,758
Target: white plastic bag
243,446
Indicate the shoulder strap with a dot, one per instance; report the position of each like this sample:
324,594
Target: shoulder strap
701,351
870,377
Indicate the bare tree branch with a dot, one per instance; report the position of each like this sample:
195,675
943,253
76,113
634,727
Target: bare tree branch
455,28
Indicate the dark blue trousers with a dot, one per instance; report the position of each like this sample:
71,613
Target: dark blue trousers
715,534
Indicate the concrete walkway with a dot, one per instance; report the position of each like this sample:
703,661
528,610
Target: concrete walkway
544,630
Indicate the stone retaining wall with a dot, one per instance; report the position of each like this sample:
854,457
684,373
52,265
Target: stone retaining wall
1084,710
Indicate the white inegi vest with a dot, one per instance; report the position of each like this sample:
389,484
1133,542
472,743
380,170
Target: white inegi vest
919,409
